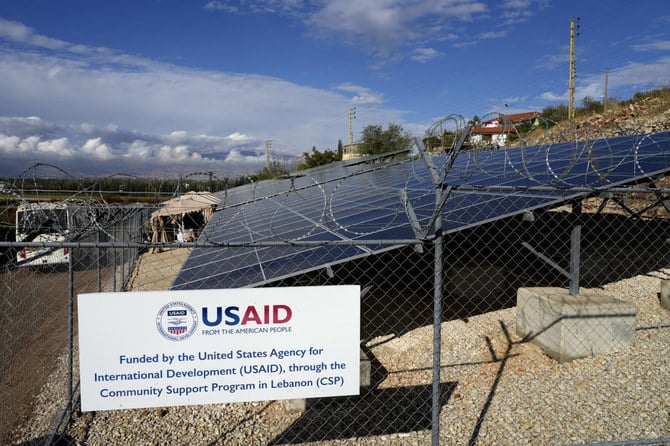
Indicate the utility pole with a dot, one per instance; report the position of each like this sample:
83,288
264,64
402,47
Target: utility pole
352,115
606,82
574,31
268,144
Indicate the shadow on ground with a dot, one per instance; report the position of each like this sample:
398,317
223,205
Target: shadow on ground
366,415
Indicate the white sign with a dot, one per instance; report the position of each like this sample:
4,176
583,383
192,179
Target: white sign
171,348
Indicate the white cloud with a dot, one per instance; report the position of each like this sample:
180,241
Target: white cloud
552,97
388,24
552,61
653,74
138,150
514,99
238,137
362,95
221,6
236,157
27,145
285,7
519,11
25,141
8,143
12,147
18,32
638,76
178,153
425,54
493,35
178,134
388,29
97,149
101,105
662,45
59,147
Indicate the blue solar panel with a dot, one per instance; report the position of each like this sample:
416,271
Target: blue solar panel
355,201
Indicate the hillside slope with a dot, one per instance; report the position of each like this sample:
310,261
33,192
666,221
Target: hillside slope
648,115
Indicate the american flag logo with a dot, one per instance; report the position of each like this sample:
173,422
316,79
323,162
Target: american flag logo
176,330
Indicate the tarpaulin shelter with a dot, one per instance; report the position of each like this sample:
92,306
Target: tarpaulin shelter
188,213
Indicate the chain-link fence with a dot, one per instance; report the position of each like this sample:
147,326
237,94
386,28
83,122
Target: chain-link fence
40,281
490,312
494,386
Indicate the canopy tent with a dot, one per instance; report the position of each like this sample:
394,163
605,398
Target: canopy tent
172,213
189,202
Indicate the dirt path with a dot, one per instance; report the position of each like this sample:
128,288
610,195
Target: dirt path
157,271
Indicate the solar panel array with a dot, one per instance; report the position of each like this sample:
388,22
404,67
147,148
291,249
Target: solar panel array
350,202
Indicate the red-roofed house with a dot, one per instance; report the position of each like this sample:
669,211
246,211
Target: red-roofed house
495,131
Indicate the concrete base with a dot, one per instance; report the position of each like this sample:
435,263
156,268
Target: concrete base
295,405
569,327
665,294
300,404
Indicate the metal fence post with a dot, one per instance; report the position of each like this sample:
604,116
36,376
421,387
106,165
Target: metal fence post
575,249
114,269
70,321
97,261
437,328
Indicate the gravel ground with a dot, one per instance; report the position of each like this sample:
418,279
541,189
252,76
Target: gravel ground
495,389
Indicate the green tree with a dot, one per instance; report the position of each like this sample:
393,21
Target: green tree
553,114
340,150
376,140
476,121
432,141
317,158
591,106
270,172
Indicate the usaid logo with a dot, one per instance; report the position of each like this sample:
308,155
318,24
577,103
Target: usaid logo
176,321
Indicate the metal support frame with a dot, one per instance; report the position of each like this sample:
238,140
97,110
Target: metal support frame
413,220
662,199
575,253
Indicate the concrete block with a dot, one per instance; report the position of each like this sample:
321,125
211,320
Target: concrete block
294,405
569,327
665,294
366,370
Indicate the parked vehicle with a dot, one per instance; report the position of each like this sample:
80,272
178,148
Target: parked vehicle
50,222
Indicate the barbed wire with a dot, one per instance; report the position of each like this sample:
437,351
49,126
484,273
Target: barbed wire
358,200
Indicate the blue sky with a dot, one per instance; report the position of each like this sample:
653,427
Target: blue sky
170,87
